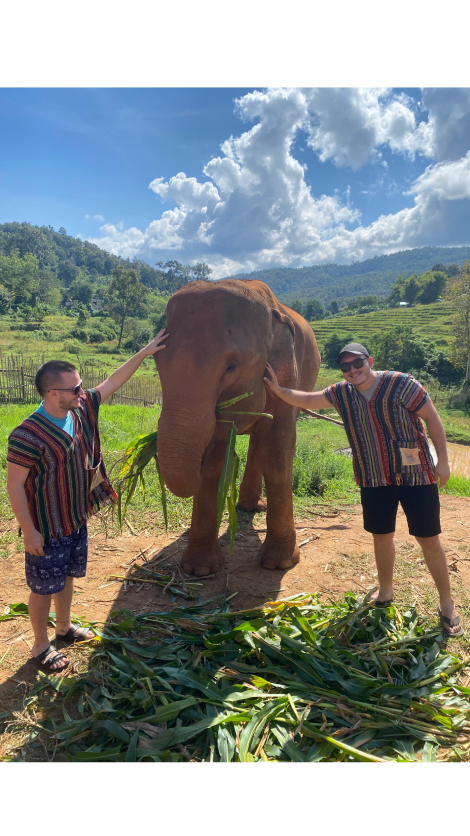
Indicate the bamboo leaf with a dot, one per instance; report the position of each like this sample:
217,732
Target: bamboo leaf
225,744
232,501
226,475
287,678
224,404
163,492
131,754
242,412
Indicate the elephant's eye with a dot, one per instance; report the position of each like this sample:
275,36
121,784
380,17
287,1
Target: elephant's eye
231,367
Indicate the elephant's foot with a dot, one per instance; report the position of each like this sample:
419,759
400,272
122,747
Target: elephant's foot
257,503
199,561
274,555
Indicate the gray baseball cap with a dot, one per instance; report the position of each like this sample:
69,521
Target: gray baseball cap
353,348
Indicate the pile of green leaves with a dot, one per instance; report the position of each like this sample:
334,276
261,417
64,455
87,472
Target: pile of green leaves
293,680
144,448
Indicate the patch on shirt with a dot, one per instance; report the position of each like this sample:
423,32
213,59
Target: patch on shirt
410,456
97,479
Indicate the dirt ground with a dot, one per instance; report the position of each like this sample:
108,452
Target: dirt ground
337,556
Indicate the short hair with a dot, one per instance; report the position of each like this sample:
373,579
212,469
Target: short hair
50,373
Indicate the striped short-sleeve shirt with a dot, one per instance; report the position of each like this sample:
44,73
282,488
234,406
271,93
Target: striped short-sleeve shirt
67,480
385,433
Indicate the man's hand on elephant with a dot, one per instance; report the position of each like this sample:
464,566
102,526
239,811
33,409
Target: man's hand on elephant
270,380
154,345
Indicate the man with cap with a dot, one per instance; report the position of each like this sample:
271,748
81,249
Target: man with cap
383,414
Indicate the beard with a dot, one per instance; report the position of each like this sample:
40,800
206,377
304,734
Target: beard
67,403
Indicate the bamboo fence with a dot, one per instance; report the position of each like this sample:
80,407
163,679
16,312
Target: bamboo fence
17,376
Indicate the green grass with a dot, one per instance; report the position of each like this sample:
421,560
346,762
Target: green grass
456,422
103,356
458,486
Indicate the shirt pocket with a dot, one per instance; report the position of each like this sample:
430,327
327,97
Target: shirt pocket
409,456
95,475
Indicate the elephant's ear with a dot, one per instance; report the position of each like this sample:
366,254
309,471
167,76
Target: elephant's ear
286,320
281,353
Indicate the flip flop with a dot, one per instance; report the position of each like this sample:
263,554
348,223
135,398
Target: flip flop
452,622
376,603
72,636
46,667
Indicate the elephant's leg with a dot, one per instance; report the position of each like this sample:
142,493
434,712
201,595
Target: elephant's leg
276,454
251,488
203,555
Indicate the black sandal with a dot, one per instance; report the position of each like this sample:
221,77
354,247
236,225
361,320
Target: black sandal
452,622
46,666
72,636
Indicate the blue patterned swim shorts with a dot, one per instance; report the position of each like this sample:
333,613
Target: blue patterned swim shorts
46,574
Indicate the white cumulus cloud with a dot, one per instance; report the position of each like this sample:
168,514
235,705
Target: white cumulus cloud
349,124
449,117
253,207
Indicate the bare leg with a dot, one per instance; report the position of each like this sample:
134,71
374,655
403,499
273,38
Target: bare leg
384,549
39,607
63,602
251,489
436,562
203,555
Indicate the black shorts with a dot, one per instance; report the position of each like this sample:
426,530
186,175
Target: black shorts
419,502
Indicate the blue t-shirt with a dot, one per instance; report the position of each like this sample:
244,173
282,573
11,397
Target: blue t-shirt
65,424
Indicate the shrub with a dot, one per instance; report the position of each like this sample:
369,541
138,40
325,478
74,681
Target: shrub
71,348
138,339
41,335
80,334
97,337
333,346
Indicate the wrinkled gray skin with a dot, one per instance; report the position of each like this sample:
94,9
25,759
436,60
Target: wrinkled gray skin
222,335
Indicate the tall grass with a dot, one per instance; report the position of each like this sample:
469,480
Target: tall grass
458,486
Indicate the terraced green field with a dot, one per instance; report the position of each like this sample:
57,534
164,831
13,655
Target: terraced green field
429,320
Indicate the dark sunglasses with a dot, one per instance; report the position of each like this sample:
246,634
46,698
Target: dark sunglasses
357,364
74,389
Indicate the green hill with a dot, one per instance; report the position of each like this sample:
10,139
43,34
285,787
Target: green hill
63,259
345,281
66,257
427,320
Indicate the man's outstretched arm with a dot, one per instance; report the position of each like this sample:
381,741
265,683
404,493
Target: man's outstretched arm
304,400
122,375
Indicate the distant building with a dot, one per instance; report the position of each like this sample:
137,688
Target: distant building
96,304
404,304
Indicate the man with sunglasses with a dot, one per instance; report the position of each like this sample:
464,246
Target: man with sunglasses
56,480
383,413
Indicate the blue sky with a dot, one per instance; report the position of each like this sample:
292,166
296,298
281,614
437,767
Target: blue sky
241,178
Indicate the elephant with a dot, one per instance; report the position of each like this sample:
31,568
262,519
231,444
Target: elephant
222,334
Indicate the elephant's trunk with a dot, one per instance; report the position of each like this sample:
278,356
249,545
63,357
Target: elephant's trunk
183,436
